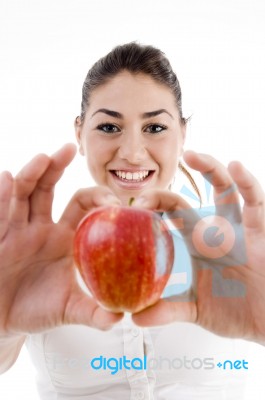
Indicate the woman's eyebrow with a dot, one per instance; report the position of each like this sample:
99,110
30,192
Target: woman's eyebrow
145,115
155,113
111,113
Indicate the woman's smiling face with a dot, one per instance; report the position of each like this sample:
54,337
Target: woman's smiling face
131,136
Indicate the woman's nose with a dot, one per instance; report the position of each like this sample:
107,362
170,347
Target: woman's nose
132,148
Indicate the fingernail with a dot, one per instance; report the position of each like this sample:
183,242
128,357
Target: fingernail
201,156
140,201
110,198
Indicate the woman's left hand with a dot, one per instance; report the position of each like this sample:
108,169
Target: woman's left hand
233,303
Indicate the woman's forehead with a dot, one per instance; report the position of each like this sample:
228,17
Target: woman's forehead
134,90
127,77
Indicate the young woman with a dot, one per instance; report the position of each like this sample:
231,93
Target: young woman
131,131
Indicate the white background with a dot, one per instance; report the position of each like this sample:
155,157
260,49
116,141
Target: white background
46,47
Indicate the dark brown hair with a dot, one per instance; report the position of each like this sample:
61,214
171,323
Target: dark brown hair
135,58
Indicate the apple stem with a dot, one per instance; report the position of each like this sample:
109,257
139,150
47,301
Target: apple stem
131,201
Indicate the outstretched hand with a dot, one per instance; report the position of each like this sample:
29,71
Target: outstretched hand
232,313
38,287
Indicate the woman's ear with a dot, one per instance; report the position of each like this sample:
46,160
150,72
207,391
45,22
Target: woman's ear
78,134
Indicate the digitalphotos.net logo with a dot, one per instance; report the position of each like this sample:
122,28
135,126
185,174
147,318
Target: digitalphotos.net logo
114,365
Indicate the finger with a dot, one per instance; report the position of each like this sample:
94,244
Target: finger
6,188
42,197
24,185
225,191
82,309
83,201
161,200
214,171
177,211
253,195
166,312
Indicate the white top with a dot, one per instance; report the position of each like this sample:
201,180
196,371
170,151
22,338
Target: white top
177,358
176,361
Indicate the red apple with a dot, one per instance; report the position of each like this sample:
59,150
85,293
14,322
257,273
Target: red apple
125,256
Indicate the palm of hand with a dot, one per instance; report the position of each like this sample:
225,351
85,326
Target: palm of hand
41,276
227,295
228,277
38,283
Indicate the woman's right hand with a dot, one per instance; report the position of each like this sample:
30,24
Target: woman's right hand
38,287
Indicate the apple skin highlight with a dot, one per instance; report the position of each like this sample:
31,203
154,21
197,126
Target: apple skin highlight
125,256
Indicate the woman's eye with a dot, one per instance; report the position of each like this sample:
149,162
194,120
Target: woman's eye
154,128
108,128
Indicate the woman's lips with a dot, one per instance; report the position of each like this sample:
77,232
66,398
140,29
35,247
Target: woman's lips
132,179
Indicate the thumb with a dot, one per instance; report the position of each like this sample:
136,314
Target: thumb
166,311
83,201
83,310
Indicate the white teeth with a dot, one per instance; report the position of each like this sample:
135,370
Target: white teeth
132,176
